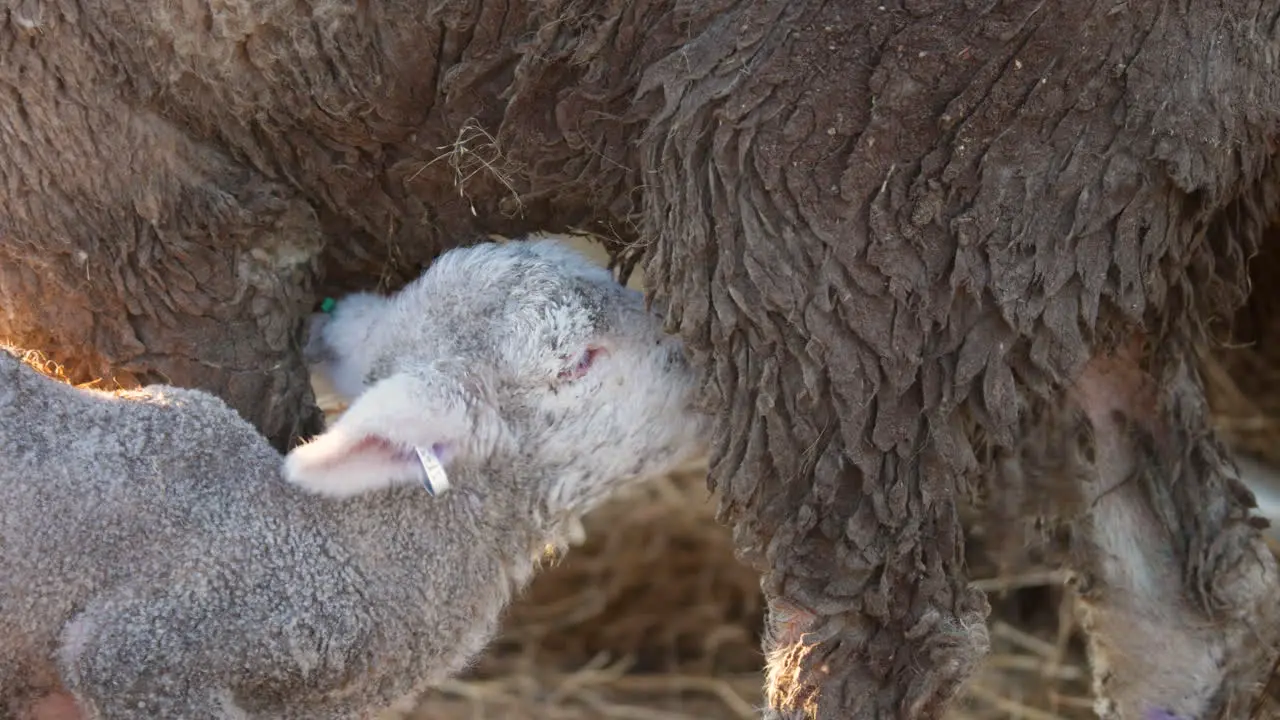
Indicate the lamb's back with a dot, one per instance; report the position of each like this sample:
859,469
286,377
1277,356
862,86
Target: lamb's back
98,487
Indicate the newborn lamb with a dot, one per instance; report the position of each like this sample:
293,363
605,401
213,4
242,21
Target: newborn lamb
159,560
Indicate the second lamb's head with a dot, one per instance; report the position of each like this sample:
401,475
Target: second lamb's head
523,359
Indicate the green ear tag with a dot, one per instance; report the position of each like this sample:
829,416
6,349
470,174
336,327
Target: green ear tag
326,306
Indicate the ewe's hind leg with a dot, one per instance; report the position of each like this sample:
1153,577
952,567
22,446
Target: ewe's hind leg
871,621
1178,590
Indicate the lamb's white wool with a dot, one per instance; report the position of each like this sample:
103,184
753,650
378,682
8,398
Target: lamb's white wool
492,327
158,565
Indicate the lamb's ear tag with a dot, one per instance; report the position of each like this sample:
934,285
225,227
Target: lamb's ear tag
434,478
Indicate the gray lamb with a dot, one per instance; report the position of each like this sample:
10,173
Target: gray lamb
159,560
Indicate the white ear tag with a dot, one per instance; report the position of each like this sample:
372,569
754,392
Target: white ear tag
434,479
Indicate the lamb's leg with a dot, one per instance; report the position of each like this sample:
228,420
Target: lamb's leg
124,663
184,649
1177,588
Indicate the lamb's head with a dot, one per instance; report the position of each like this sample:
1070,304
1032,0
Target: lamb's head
523,358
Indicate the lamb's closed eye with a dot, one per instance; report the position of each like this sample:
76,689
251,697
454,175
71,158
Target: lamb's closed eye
581,364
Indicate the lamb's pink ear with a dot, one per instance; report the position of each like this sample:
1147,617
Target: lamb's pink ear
403,429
